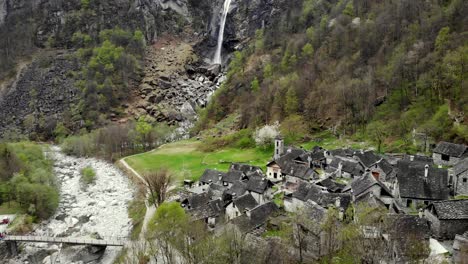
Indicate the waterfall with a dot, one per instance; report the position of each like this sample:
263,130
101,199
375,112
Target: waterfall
217,57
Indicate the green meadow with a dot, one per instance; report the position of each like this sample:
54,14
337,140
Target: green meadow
187,161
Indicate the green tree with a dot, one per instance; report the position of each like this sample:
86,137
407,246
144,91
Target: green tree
307,51
292,103
268,70
442,39
255,85
349,9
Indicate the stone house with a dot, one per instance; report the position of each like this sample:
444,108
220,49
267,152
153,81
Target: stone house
459,177
449,154
296,201
419,185
211,176
237,189
210,213
447,218
275,167
368,184
408,238
331,185
260,189
239,206
366,158
195,200
340,153
294,172
315,239
255,218
382,170
345,167
246,168
231,177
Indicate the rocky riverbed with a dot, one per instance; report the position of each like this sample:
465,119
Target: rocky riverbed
98,210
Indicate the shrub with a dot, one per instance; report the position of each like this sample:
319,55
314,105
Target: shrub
88,175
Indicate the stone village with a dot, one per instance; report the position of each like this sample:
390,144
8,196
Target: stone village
423,196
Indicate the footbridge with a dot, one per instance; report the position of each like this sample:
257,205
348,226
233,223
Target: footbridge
101,243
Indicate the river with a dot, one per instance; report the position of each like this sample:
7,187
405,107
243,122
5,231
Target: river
97,210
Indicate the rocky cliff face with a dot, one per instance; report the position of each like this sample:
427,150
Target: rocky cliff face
40,96
172,86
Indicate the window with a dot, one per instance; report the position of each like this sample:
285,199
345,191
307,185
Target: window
465,180
408,203
445,157
276,175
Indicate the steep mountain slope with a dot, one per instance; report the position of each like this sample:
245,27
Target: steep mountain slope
388,68
87,62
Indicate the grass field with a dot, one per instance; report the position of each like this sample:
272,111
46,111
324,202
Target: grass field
11,208
187,162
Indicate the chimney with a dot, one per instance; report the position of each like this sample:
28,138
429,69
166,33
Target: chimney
338,202
411,158
426,172
420,213
233,195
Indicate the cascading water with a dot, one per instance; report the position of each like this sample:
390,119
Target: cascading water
217,57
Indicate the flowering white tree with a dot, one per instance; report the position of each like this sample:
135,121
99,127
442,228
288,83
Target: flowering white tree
265,135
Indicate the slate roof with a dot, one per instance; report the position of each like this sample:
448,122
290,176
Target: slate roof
314,157
238,188
258,184
385,166
405,230
413,184
285,159
246,168
451,209
329,199
342,152
305,190
348,166
258,216
419,158
300,171
367,158
331,185
362,184
370,199
197,200
233,176
216,190
212,209
461,166
451,149
245,202
211,176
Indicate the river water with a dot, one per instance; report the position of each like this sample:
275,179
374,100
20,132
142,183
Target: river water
97,210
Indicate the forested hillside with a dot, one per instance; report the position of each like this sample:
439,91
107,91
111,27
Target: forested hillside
27,181
385,69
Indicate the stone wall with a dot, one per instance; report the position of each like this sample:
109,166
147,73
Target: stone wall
439,161
445,229
461,185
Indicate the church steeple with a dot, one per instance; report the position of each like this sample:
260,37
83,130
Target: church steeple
279,147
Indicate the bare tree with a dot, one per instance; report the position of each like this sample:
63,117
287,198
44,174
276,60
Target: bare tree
158,184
